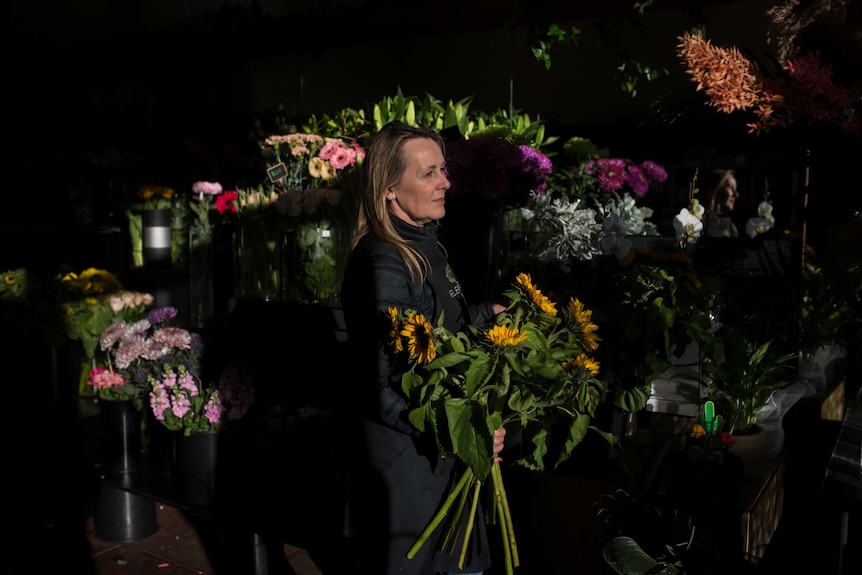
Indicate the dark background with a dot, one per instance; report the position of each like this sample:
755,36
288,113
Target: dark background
109,94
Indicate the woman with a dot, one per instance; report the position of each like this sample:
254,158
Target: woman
719,202
398,480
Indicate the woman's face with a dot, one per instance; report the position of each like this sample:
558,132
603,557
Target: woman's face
419,197
725,198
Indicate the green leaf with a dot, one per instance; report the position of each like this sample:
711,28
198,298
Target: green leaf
471,434
476,374
575,434
626,557
417,417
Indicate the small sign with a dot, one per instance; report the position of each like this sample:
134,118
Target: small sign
277,172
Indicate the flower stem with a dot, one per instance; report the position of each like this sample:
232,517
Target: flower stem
477,486
441,514
507,526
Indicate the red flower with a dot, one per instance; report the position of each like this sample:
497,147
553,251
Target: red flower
226,202
725,438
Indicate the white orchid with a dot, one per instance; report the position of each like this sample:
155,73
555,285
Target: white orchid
764,221
758,225
614,240
764,210
687,226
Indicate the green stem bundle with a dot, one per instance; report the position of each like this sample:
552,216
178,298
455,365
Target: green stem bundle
501,502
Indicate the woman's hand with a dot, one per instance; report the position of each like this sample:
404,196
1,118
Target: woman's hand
499,441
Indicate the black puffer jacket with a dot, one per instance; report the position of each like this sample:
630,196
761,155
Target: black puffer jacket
397,479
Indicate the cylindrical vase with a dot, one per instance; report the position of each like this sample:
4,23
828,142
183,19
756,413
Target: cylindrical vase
157,238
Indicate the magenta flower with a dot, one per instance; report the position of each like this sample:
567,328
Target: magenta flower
653,171
610,173
637,180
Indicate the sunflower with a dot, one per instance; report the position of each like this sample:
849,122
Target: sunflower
542,301
588,363
506,336
395,340
420,343
583,318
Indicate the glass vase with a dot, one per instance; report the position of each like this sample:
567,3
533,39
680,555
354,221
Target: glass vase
201,302
136,236
310,263
179,235
257,252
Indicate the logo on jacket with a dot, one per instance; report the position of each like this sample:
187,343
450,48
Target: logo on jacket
455,290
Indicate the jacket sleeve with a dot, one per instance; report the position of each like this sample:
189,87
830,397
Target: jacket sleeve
482,314
373,283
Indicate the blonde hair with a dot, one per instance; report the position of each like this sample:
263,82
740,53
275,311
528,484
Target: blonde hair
718,179
383,167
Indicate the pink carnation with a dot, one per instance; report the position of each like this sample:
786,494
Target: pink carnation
101,378
206,189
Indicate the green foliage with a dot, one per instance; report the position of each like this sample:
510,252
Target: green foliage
360,124
541,49
529,371
630,72
742,374
649,307
829,312
614,32
625,557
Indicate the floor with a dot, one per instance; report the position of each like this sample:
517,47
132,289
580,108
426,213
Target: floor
47,516
180,547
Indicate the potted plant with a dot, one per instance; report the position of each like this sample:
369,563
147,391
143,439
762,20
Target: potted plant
741,376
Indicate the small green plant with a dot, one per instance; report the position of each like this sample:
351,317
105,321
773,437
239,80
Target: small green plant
742,374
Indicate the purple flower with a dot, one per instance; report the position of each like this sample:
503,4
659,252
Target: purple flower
610,173
653,171
494,170
637,179
162,315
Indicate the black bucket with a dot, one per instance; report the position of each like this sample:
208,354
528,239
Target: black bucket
123,516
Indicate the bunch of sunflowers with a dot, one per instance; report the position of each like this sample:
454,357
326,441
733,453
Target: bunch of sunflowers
532,370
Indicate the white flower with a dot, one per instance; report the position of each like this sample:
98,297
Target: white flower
613,244
687,227
755,226
614,224
764,210
614,241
